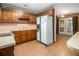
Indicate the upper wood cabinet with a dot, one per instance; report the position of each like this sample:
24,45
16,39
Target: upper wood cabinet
25,15
32,19
0,15
6,17
0,12
15,16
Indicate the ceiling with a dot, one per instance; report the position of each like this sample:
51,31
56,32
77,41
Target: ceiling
30,7
64,8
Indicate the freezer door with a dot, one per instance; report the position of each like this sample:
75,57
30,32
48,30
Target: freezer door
38,20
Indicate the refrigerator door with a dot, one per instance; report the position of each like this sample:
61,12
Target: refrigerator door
46,30
38,28
49,31
43,30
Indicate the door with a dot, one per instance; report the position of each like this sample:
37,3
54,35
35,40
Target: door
66,26
61,26
69,26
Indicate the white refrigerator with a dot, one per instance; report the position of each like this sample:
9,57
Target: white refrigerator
45,29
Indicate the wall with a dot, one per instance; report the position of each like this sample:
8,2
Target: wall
75,14
49,12
71,15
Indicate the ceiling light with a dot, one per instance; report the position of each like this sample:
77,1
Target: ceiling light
27,4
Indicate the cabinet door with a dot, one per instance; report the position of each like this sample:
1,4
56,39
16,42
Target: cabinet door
6,15
32,19
17,37
31,34
8,51
0,15
0,52
15,16
23,36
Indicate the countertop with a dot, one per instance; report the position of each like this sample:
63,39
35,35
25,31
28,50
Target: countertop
6,41
16,27
73,42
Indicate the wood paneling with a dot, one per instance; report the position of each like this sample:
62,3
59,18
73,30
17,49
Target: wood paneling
49,12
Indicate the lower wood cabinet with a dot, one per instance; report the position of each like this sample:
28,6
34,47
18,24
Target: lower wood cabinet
31,34
9,51
24,35
17,36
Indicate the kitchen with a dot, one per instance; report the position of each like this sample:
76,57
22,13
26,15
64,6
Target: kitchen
21,26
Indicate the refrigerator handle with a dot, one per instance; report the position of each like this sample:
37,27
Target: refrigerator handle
38,27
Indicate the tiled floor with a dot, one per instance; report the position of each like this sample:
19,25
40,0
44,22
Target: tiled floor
35,48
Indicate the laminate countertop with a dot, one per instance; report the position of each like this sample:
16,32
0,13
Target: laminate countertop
16,27
6,41
73,42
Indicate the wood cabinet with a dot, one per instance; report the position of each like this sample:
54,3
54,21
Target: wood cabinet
8,51
25,15
6,17
0,12
17,36
24,35
0,15
32,19
15,16
31,34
